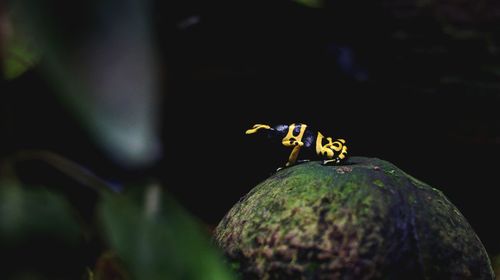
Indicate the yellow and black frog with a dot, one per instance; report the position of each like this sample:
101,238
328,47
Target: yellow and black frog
299,135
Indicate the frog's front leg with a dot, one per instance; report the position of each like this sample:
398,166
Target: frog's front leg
293,155
292,159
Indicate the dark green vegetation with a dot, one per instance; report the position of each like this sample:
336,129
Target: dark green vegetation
366,219
141,233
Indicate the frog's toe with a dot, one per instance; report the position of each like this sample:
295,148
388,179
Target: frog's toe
331,161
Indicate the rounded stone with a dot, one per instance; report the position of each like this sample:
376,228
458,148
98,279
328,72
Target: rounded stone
365,219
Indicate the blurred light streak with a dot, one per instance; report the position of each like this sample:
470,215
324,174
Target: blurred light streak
106,71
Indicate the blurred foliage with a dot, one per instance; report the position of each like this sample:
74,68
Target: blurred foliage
39,234
19,56
311,3
18,51
156,240
143,234
28,212
102,63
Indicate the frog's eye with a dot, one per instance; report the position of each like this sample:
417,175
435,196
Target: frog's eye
296,130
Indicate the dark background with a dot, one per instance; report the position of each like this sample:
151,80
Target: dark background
389,77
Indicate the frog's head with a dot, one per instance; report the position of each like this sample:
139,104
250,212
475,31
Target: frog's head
257,127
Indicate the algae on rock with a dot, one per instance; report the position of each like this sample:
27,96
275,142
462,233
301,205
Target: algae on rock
365,219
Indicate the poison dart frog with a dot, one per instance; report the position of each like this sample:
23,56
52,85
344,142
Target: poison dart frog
298,135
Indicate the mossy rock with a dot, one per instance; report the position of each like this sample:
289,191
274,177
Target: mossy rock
366,219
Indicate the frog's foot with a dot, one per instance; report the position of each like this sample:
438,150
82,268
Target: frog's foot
331,161
288,164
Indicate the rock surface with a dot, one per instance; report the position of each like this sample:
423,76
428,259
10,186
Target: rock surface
365,219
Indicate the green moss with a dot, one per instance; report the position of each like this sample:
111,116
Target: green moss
378,183
367,219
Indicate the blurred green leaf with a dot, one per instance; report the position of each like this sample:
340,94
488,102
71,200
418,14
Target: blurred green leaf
25,213
311,3
102,61
156,239
19,51
19,56
39,236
